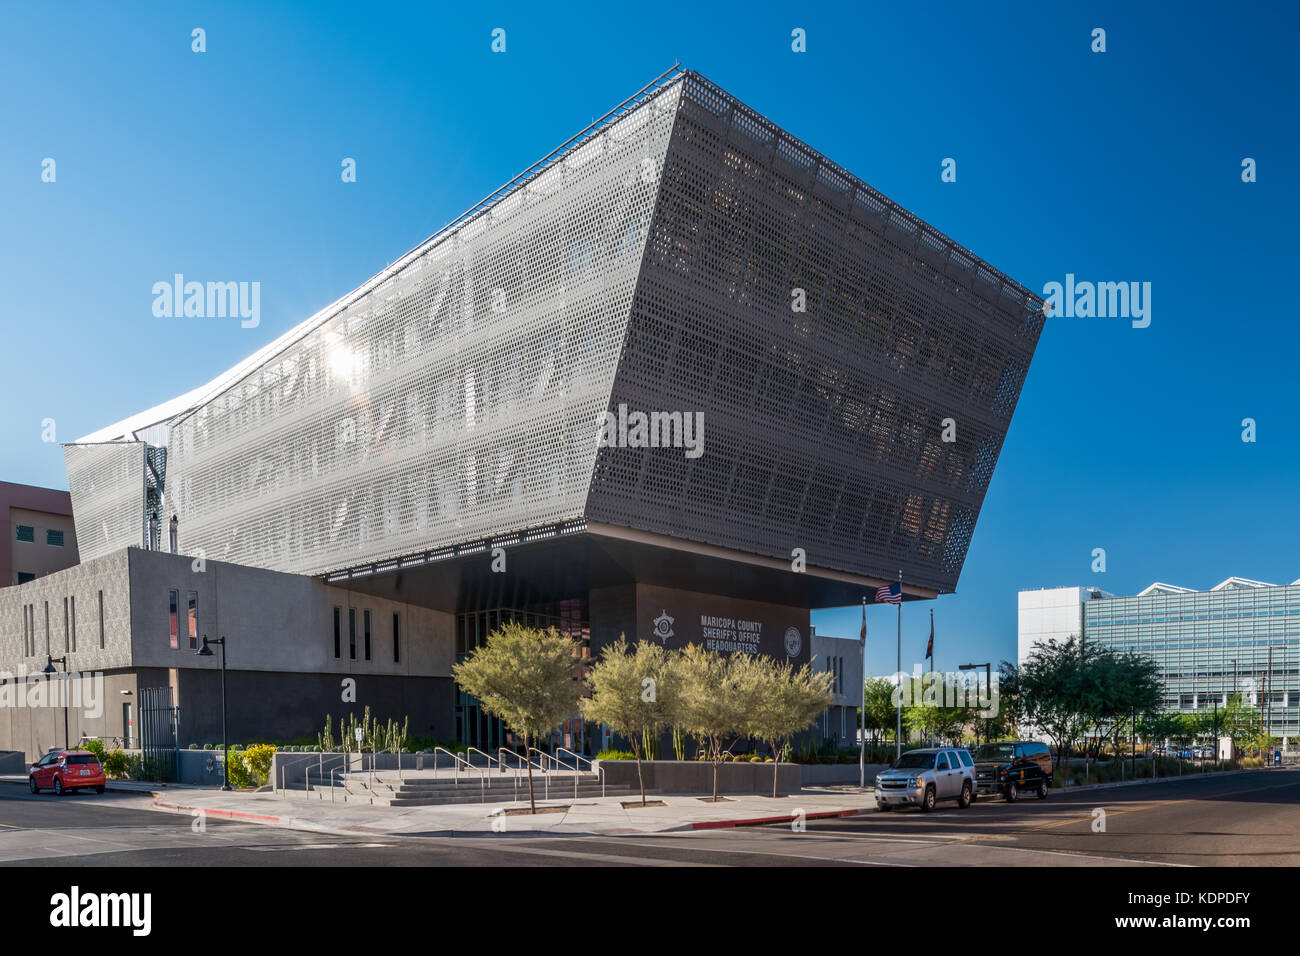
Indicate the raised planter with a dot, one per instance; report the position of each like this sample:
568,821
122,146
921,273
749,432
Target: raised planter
828,774
696,776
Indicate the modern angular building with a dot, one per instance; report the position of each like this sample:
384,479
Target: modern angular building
683,379
1240,636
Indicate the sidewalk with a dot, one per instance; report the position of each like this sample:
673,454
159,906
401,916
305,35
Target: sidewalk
606,816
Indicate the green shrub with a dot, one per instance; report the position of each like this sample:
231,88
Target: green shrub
96,747
116,765
615,755
237,771
258,761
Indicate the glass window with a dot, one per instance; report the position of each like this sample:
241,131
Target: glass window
366,619
101,619
192,607
25,576
397,640
352,633
337,649
174,602
942,762
54,538
26,532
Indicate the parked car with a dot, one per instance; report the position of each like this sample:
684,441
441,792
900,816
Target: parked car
1010,766
921,778
64,770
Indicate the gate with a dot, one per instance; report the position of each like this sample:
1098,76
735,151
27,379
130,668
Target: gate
160,757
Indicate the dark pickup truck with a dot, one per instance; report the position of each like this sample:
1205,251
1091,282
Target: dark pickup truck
1011,766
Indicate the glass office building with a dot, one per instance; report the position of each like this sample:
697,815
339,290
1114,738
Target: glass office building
1239,636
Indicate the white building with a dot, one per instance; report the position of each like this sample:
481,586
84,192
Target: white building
1049,615
843,658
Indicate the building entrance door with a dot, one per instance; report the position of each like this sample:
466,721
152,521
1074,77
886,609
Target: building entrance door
475,727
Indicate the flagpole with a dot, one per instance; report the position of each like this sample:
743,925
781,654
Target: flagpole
933,670
862,702
898,730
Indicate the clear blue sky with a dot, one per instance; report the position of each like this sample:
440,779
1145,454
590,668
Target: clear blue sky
1116,166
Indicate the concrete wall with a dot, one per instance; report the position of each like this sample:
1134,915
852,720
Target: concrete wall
13,761
822,775
264,706
276,621
696,776
94,710
85,583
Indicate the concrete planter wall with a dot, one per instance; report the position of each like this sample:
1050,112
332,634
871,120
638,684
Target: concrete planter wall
696,776
828,774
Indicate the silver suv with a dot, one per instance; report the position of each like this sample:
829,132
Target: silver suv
921,778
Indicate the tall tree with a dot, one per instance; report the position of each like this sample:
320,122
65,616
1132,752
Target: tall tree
1054,693
781,700
525,677
711,706
634,692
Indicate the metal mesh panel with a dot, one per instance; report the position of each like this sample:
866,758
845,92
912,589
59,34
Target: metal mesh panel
107,482
822,428
456,400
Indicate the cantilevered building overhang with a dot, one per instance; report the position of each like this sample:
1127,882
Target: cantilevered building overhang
453,403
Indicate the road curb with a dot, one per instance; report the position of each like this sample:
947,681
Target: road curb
231,814
1138,783
783,818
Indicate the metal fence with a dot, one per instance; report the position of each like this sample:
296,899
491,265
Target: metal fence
158,731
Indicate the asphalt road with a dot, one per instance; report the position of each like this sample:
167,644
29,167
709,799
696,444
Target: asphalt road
1246,819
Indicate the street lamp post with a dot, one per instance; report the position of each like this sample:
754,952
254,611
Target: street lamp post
206,651
988,679
49,669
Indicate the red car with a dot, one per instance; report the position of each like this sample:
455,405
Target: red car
64,770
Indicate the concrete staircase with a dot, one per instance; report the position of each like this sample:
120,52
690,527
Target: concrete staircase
424,788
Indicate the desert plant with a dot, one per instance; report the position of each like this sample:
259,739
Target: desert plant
237,770
257,759
525,677
116,765
634,692
710,705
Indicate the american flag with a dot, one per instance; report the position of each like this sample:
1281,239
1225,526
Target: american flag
890,594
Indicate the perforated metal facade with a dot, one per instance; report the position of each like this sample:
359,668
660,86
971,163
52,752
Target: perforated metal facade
108,487
456,400
823,428
458,397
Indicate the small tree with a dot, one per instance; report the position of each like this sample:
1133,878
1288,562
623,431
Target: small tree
711,705
632,690
780,701
525,677
878,699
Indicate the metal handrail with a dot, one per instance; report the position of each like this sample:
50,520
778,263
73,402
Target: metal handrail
344,782
592,768
496,760
457,760
522,758
285,766
375,753
490,759
518,771
546,773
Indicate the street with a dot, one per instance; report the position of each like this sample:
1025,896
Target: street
1235,820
